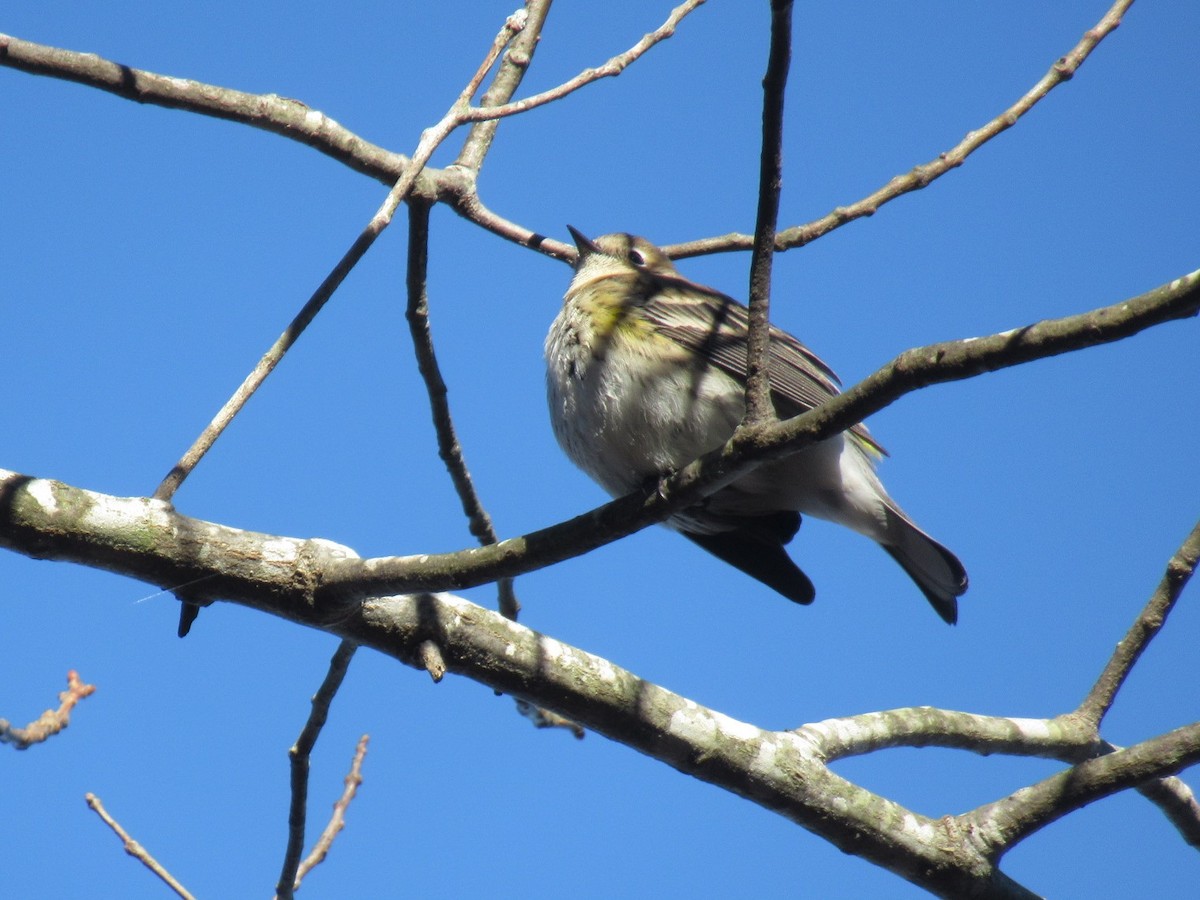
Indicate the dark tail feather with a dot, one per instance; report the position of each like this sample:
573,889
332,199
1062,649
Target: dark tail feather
934,569
759,557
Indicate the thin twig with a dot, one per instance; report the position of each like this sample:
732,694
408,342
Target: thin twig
922,175
449,449
50,722
300,755
513,65
337,821
610,69
1148,624
770,177
134,849
454,185
430,140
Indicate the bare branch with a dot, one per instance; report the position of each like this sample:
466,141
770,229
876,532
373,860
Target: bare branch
431,660
270,112
50,722
508,78
449,449
430,140
1178,803
300,755
1148,624
614,67
337,821
782,771
454,185
134,849
1001,825
759,409
923,175
926,726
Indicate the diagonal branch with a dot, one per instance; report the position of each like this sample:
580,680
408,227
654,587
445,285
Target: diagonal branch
1148,624
511,72
270,112
610,69
923,175
913,369
136,850
431,139
1001,825
454,185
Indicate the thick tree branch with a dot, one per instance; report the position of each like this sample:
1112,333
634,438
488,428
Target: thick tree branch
782,771
1000,826
926,726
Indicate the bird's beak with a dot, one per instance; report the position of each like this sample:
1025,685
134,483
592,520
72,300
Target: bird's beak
585,244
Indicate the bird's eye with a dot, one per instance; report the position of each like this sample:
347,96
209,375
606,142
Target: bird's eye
637,258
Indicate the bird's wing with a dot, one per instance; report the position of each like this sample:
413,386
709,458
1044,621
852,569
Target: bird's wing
718,331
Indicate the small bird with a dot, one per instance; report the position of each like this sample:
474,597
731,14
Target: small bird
646,371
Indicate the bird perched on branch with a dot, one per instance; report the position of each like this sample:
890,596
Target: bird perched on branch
646,371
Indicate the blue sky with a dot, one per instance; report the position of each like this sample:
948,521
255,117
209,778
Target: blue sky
150,256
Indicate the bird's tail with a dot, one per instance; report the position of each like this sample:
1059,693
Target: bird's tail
936,571
755,546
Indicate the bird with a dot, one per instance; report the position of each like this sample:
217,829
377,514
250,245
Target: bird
646,371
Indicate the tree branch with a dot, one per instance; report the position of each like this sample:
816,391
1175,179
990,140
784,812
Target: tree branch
449,449
300,756
1149,623
134,849
513,66
999,826
50,722
454,185
770,180
337,820
922,175
26,504
431,139
913,369
782,771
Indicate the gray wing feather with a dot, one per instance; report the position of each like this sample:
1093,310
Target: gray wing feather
718,330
